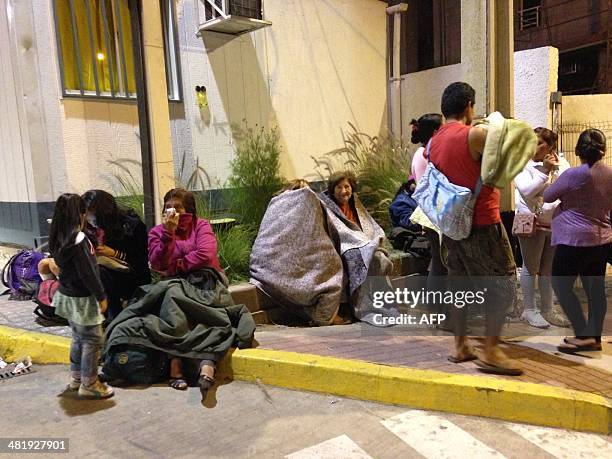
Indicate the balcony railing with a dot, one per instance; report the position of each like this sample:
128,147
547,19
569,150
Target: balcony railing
529,18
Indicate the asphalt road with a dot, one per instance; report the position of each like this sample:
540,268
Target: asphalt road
252,420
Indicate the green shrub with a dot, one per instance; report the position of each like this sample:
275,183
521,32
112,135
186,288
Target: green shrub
255,175
131,187
234,249
380,164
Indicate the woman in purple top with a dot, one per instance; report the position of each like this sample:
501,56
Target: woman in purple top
582,233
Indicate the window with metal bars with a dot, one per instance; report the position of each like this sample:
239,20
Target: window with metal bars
430,34
94,39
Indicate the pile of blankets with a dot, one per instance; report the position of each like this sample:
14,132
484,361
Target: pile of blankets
192,318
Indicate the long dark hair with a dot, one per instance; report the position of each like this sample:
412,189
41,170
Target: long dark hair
109,216
424,128
66,223
591,146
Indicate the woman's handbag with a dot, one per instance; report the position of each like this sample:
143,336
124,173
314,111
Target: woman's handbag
448,206
524,224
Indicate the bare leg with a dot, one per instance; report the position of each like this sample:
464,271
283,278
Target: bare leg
176,374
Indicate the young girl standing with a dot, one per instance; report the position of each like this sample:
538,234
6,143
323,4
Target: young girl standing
81,298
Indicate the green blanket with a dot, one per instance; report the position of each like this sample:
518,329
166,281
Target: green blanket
183,320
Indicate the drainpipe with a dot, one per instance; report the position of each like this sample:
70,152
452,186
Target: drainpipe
143,114
396,79
153,110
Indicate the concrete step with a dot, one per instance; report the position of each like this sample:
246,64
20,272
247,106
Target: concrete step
404,265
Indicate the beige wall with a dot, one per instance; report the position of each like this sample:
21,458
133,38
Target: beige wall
65,144
320,65
582,109
422,91
581,112
95,133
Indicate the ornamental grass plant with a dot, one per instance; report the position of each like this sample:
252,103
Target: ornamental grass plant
380,163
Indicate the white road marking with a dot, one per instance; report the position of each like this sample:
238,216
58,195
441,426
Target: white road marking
341,447
436,437
564,443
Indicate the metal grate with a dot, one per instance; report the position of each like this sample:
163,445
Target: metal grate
569,133
214,9
94,44
94,40
529,18
247,8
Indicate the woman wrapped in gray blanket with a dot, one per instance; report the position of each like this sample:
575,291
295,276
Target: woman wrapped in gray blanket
316,251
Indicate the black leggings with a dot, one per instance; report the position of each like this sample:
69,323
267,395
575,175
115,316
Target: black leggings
590,264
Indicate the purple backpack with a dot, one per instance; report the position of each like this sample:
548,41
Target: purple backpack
20,274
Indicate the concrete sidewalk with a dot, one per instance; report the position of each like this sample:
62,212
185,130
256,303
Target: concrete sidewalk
375,364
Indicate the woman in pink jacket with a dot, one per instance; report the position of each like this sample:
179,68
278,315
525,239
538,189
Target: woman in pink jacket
181,245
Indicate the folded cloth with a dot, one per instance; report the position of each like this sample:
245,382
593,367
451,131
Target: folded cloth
510,144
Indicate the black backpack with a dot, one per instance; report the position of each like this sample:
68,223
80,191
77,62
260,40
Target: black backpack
136,364
410,241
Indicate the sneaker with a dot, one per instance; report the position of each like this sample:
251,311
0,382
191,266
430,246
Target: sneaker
96,390
73,385
535,319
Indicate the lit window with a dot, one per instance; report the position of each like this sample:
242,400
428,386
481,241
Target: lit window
96,58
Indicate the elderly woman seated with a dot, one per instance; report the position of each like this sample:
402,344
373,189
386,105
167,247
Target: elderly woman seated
315,252
191,313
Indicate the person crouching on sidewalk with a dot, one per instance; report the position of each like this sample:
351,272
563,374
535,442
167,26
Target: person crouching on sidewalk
80,298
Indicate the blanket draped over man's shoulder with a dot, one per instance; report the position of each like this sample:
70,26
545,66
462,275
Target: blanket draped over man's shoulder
183,320
307,252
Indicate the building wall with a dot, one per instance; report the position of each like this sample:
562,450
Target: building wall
586,111
26,182
319,66
52,145
422,91
565,24
571,26
535,77
585,108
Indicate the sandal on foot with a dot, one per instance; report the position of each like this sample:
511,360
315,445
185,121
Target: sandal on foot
499,368
468,355
569,348
205,382
178,384
466,358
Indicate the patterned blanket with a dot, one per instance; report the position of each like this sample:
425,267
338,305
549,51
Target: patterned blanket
309,258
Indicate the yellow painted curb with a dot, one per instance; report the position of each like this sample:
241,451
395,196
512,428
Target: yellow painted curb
41,347
426,389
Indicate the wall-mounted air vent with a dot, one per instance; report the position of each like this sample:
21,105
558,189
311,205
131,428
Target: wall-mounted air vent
233,17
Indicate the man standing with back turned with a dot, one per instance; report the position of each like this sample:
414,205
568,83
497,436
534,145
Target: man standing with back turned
485,256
